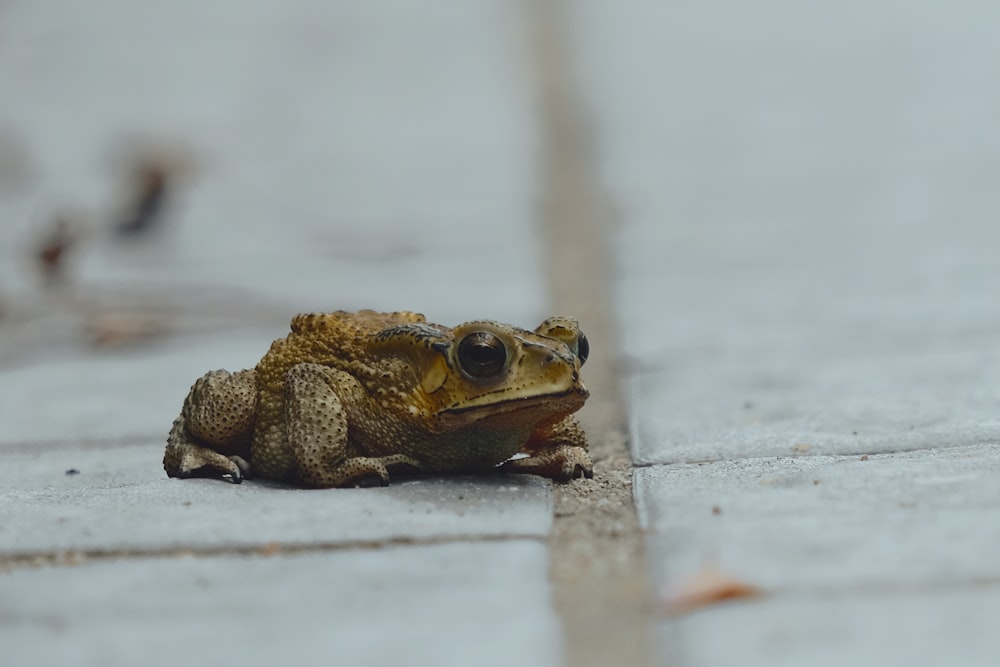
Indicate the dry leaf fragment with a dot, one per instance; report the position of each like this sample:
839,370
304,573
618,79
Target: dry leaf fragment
55,245
117,328
703,588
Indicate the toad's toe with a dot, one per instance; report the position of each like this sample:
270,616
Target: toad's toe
189,460
370,480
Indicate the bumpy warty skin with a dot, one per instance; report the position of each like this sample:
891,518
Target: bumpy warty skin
347,396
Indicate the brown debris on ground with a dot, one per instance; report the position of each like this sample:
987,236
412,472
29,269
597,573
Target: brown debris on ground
704,588
115,328
54,249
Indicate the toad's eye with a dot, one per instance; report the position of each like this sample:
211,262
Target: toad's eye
582,348
482,355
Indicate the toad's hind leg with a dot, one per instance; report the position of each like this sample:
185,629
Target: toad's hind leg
558,451
318,431
211,437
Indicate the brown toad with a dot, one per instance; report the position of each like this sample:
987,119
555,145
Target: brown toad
345,396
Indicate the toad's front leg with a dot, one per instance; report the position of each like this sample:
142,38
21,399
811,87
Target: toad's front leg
558,451
317,431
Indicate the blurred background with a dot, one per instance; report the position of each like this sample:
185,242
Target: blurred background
264,154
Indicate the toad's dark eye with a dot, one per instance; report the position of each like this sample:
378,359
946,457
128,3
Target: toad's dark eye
482,354
582,349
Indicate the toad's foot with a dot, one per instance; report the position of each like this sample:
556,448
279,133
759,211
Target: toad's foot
190,460
360,471
561,463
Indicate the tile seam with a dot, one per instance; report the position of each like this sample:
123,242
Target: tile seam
74,557
597,549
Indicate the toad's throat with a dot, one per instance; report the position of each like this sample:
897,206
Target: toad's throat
470,413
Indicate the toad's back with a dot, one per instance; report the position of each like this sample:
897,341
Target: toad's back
336,339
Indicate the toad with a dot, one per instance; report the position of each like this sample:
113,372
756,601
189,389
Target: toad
346,397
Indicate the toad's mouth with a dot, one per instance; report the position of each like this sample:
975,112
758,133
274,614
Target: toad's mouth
567,401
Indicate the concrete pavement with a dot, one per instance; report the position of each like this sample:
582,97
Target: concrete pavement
808,299
804,267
